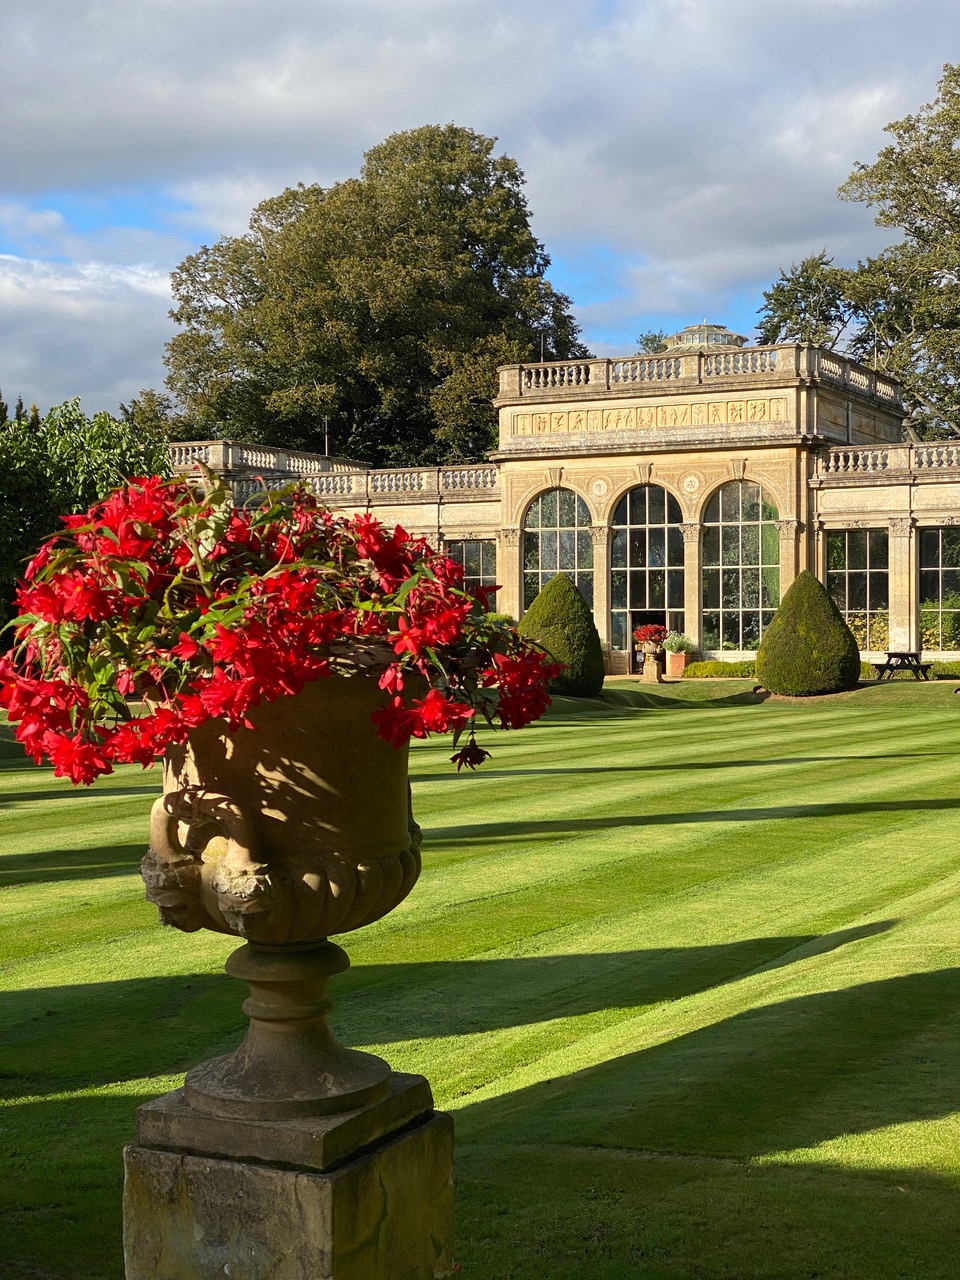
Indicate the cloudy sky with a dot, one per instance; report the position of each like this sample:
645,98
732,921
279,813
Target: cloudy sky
677,152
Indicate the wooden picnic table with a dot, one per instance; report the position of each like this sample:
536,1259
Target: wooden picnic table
904,661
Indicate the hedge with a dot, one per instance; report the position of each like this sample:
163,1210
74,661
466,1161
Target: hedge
714,668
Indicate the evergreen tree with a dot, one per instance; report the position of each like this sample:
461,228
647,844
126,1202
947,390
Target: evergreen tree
808,647
560,620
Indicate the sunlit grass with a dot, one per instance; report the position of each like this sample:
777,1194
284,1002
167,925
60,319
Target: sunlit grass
683,963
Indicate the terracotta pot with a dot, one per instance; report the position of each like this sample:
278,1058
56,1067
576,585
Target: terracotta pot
676,662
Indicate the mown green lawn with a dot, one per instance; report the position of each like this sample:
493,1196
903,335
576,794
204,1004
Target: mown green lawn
683,964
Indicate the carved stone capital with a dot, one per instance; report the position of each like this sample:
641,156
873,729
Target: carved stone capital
470,535
788,528
510,537
599,534
691,532
901,526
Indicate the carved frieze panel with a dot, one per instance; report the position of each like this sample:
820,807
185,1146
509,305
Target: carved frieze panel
701,413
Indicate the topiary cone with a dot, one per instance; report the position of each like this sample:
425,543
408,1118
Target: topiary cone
808,648
560,620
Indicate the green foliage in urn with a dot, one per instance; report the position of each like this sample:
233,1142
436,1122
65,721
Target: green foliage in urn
560,620
678,642
808,648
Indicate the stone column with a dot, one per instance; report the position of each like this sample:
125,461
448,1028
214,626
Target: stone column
789,531
510,572
903,585
692,581
601,586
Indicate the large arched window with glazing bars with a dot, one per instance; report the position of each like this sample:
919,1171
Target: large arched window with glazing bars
741,566
557,539
646,563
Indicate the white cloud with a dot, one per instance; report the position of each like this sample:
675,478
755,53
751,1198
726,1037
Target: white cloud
95,330
696,147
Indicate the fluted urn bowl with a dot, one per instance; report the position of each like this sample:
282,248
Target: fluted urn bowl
283,834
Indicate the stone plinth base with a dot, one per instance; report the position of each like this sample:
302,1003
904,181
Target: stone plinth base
652,671
367,1195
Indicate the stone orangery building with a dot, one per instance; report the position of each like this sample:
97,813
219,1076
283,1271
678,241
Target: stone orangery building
687,488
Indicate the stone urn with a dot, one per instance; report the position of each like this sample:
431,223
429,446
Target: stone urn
652,669
282,835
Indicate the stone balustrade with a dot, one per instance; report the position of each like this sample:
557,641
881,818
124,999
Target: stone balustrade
334,478
895,461
228,457
786,361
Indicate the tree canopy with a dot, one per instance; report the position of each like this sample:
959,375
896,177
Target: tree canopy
898,312
382,304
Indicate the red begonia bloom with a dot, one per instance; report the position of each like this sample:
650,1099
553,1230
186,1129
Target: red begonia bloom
206,610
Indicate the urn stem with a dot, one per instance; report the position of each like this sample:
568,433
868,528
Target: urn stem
289,1063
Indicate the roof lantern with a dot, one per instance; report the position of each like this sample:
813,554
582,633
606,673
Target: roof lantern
697,336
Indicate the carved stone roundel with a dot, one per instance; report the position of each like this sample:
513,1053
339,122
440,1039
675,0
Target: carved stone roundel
690,484
599,488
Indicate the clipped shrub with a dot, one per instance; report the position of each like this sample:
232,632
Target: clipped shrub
808,648
945,670
508,618
560,620
715,669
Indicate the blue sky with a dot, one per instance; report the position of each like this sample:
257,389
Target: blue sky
678,153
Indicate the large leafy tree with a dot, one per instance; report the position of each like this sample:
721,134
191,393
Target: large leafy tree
899,312
381,306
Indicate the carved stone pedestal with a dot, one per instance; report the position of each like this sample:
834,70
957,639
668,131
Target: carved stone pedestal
364,1195
652,670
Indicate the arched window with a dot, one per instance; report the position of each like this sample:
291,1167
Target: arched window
741,566
557,539
646,563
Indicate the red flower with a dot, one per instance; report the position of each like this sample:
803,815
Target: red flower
209,610
471,755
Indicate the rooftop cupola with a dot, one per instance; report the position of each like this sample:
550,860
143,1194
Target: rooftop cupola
699,337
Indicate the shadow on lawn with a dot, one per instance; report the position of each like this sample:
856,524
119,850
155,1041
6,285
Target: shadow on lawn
546,826
772,1079
76,795
66,1037
55,865
670,766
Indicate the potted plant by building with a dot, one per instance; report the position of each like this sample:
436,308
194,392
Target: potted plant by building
678,648
278,661
650,638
